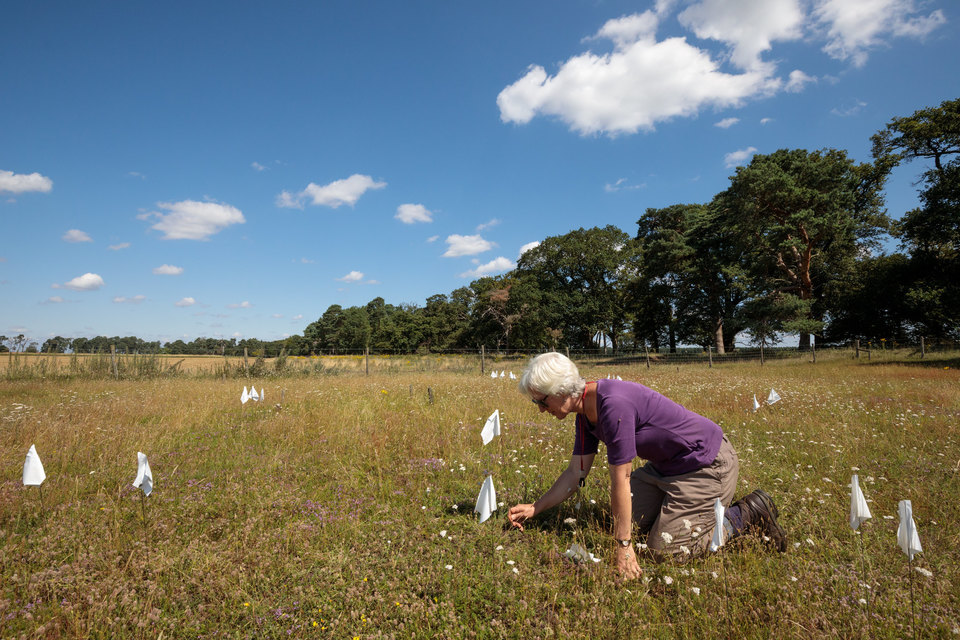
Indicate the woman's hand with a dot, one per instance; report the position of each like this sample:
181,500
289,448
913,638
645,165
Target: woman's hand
627,563
518,514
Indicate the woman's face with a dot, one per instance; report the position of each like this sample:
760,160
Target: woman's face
558,407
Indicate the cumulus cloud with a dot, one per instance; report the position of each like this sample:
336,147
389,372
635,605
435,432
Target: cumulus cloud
193,220
334,194
748,27
24,182
527,247
413,213
497,265
353,276
75,235
854,27
86,282
798,80
737,158
726,123
240,305
167,270
642,82
117,247
134,300
458,245
185,302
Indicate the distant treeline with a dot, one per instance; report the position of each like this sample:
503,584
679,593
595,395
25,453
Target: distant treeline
793,246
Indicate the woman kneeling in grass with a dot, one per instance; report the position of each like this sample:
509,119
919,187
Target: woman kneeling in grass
690,463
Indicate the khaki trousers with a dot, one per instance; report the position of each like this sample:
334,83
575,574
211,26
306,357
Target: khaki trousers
676,512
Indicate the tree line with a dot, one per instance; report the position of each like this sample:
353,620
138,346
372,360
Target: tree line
792,246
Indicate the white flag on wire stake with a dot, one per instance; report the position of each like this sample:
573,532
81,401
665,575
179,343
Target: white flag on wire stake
907,536
33,473
491,428
253,394
487,500
261,394
756,405
717,540
144,479
578,554
493,374
859,511
244,396
773,398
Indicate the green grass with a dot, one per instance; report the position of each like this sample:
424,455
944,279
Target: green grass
324,518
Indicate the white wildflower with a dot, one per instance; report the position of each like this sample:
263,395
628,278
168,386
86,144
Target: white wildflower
696,590
667,580
687,524
667,538
924,572
449,567
443,533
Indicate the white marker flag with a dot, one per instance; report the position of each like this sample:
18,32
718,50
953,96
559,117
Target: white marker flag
493,374
33,474
491,428
907,536
756,405
261,394
144,478
253,394
717,540
773,398
503,373
578,554
859,511
512,376
487,500
244,396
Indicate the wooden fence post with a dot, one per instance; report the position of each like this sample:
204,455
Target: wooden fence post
923,348
366,359
710,355
113,361
245,366
761,353
856,346
813,347
646,354
482,358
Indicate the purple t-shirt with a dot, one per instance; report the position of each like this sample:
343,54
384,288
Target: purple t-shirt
634,420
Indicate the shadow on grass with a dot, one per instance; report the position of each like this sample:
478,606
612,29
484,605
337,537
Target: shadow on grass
928,363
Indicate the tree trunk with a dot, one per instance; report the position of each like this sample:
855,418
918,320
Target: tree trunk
804,344
718,337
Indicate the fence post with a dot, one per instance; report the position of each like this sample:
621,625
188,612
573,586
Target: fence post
246,367
923,348
761,353
646,354
482,357
366,359
813,347
856,346
710,355
113,361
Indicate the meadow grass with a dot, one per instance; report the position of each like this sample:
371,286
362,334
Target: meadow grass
347,512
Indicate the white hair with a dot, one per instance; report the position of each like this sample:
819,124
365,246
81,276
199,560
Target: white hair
552,374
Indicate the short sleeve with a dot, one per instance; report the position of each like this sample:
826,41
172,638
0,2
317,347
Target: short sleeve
585,442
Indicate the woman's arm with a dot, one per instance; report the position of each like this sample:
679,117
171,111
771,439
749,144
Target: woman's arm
562,488
621,506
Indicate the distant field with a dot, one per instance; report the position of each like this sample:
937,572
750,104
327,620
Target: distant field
347,511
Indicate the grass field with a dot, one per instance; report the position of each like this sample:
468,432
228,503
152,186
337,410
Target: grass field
347,512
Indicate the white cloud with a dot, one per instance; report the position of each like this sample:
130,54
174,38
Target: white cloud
134,300
640,83
726,123
299,316
620,185
167,270
75,235
749,27
242,305
854,27
486,225
458,245
353,276
849,109
54,300
193,220
527,247
766,120
24,182
413,213
185,302
338,192
798,80
433,239
497,265
117,247
277,315
257,166
86,282
737,158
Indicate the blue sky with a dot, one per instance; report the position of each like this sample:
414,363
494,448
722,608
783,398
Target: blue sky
183,169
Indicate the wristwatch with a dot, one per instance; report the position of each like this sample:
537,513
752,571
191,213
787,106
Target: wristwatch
623,543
